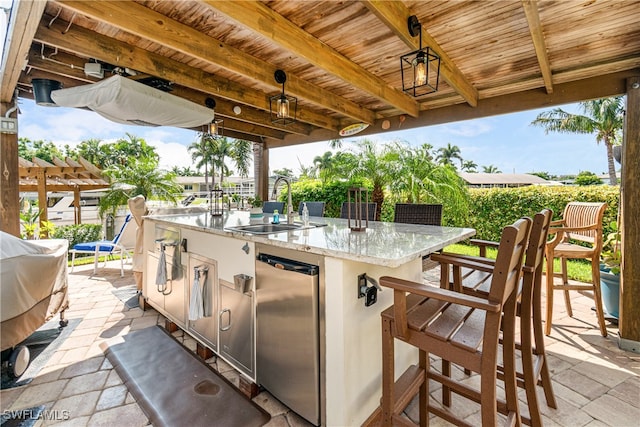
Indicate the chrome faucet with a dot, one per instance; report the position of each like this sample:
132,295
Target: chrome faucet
289,203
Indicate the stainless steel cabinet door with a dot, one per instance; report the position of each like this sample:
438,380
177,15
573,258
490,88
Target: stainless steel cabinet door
236,326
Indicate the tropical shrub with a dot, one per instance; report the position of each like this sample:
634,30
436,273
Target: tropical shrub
78,233
333,193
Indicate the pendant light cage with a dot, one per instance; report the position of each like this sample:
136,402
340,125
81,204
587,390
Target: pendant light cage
420,69
283,108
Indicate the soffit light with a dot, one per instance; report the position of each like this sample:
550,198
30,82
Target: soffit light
420,69
282,107
216,127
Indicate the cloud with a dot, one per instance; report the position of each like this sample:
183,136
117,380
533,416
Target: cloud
468,129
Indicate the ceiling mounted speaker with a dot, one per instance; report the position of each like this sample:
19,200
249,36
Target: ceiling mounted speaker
93,69
42,89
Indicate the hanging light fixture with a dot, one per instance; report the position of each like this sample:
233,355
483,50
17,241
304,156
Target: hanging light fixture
283,108
216,127
421,68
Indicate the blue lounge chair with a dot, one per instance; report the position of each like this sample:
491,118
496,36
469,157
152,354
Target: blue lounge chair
103,247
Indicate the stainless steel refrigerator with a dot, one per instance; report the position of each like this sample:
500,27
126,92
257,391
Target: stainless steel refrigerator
287,333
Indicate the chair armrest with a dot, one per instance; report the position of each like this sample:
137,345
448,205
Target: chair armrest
467,261
573,229
483,245
439,294
458,262
557,222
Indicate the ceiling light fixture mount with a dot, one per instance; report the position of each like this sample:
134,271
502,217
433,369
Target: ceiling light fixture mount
420,69
216,127
282,108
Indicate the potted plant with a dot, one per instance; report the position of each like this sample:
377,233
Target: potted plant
610,272
256,205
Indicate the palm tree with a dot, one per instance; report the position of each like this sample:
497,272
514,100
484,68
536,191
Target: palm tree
491,169
202,155
417,179
241,155
323,165
448,153
376,166
469,166
139,176
604,117
221,149
90,150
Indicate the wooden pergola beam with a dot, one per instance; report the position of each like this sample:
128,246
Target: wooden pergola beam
263,20
537,36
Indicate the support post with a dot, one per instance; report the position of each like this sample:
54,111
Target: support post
630,228
9,179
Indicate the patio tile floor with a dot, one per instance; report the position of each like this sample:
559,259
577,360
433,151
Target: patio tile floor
595,383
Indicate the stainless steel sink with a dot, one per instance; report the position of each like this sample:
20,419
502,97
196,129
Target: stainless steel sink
264,228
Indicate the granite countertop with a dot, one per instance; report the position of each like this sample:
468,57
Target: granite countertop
382,243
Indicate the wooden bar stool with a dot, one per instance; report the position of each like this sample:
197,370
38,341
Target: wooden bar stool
460,329
581,222
535,367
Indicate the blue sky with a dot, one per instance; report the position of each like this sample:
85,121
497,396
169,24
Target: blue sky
507,141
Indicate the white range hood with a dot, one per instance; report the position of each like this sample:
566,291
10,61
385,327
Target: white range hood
126,101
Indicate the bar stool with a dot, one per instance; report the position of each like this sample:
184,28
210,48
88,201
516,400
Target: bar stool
460,329
529,311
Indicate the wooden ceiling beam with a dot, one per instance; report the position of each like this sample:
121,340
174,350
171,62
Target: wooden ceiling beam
225,108
260,18
157,28
89,44
395,14
537,36
66,65
27,15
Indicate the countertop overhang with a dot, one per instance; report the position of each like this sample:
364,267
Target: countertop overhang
382,243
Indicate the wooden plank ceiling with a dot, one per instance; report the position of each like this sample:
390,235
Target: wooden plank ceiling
341,57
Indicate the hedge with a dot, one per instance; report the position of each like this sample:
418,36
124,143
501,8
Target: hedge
489,209
492,209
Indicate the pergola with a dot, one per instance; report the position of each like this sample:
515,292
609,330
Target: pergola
342,62
64,175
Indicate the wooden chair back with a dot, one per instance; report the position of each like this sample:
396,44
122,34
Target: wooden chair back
506,274
585,214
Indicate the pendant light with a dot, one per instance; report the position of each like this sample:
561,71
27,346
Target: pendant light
420,69
282,107
216,127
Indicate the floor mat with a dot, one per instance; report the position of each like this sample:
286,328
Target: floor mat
42,344
128,295
174,387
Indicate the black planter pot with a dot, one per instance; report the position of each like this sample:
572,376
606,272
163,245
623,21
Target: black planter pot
42,89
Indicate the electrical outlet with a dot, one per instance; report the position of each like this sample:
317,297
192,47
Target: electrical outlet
362,285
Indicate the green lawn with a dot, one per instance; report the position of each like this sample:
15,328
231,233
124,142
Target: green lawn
577,269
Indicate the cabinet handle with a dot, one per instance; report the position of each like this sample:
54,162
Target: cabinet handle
225,328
